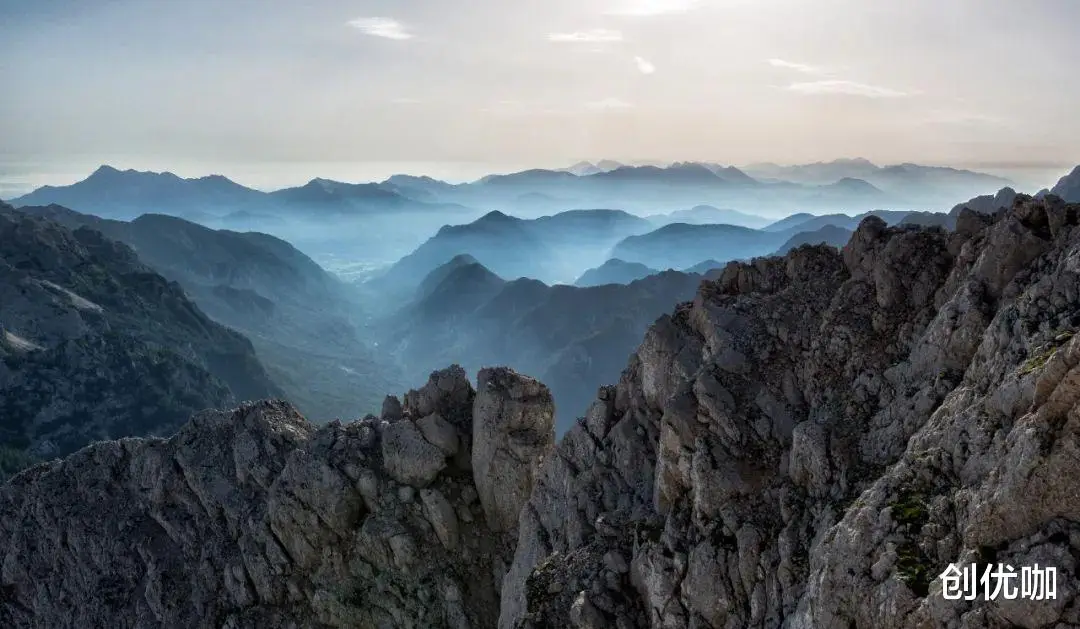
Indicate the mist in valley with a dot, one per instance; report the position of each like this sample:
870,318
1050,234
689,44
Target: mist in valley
350,290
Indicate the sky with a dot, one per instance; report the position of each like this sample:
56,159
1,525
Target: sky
273,90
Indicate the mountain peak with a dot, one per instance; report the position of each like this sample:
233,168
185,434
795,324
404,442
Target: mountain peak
109,173
1068,187
854,161
496,216
105,170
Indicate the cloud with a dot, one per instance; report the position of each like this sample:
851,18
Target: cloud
798,67
608,104
648,8
849,88
593,36
964,118
405,100
381,27
644,65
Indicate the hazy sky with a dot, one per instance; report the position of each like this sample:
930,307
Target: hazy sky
201,85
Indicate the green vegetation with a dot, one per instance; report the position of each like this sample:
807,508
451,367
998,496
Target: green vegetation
912,565
1044,352
909,509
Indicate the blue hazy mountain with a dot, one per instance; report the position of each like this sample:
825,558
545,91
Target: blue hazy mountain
115,193
576,337
614,271
112,193
915,183
556,248
307,326
826,235
707,214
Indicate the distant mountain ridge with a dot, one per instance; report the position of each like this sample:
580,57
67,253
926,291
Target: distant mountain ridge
857,183
614,271
554,248
826,235
915,183
112,193
707,214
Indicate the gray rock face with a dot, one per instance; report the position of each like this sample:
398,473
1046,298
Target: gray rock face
1068,187
257,519
513,429
812,440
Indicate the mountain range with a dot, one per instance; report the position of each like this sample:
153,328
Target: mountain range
114,193
306,325
95,345
614,271
352,229
911,181
552,249
852,184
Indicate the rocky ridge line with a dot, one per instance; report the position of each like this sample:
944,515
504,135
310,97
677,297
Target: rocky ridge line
814,438
255,518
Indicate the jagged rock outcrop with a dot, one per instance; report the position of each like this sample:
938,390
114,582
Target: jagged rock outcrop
257,519
987,203
1068,187
513,429
814,438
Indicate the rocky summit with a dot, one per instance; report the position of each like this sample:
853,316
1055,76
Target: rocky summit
808,443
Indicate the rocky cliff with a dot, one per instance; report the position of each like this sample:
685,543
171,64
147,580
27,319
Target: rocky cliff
814,438
806,444
255,518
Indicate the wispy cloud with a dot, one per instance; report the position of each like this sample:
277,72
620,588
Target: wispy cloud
608,104
849,88
798,67
644,65
964,118
381,27
592,36
833,85
647,8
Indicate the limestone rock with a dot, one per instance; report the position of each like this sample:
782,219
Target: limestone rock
513,429
256,519
408,457
439,433
813,439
